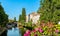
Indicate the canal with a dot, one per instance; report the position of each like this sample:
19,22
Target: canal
13,32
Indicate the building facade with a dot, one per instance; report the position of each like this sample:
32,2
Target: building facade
34,17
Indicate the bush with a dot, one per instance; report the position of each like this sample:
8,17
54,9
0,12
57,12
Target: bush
46,29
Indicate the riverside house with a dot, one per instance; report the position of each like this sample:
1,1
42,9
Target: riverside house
34,17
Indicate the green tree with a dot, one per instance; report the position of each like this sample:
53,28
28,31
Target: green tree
14,18
49,10
20,18
23,15
3,16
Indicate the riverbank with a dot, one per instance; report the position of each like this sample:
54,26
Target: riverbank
3,32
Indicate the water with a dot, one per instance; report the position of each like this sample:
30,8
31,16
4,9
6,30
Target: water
13,32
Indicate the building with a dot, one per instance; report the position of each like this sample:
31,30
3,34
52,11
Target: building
34,17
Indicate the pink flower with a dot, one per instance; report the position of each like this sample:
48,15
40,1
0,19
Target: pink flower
56,31
40,30
34,31
26,34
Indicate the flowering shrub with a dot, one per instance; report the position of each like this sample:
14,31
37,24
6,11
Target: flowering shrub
33,32
27,33
45,29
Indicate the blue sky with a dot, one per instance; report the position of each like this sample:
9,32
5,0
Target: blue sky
14,7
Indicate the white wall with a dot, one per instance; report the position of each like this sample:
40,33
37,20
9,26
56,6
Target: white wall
34,18
27,19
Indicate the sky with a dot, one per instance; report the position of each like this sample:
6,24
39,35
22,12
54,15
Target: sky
14,7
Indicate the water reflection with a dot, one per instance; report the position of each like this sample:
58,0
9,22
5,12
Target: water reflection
13,32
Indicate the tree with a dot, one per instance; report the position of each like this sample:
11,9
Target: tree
23,15
49,10
3,16
20,18
14,18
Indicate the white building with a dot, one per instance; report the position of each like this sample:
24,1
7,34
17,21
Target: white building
59,22
27,18
34,17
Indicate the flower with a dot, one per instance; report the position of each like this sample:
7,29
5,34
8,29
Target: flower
34,31
28,32
40,30
57,31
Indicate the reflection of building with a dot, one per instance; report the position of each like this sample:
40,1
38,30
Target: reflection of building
34,17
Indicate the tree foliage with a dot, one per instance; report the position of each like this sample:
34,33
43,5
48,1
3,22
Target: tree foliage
14,18
49,10
3,16
23,14
22,17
